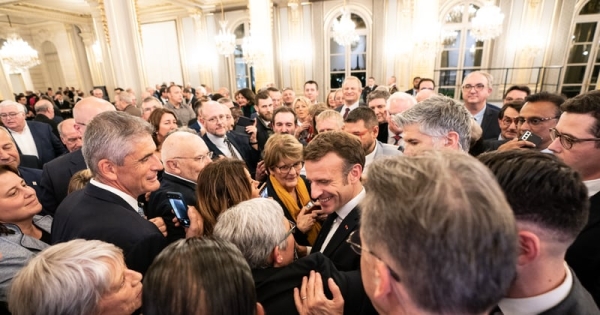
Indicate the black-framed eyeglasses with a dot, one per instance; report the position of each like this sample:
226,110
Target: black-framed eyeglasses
355,244
533,121
477,87
285,169
198,158
567,141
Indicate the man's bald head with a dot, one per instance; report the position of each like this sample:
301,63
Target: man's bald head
425,94
86,109
184,154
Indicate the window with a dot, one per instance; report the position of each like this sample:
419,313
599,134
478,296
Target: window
244,74
348,60
461,53
583,60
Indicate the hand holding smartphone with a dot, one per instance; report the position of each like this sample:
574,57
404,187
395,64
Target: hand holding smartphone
179,207
531,137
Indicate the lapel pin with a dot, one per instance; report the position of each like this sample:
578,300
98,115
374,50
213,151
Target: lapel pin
346,226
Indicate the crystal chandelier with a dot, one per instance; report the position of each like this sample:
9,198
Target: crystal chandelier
225,40
344,29
17,54
487,23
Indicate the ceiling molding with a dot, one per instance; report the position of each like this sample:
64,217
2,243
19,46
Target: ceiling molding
39,13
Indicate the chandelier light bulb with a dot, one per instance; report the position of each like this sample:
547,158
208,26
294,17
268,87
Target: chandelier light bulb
344,30
18,55
487,23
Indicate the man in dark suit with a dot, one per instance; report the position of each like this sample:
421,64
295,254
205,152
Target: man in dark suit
264,109
576,141
228,144
415,89
352,88
61,102
259,229
334,163
184,155
32,137
124,103
370,87
45,113
119,151
9,155
377,101
549,218
476,88
57,173
414,252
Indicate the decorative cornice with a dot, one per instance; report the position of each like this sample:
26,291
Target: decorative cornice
44,13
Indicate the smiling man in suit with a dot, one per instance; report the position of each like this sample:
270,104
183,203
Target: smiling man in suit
57,173
334,163
476,88
228,144
32,137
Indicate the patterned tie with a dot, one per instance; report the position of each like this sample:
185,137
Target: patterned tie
231,149
346,112
140,211
396,139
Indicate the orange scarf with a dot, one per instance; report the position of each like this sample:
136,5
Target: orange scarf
292,205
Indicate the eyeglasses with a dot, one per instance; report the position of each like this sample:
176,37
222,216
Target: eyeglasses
355,244
198,158
534,121
290,231
216,119
477,87
567,141
11,115
507,121
285,169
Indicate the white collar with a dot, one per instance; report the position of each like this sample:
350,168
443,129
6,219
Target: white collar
593,186
130,200
24,131
540,303
345,209
215,139
185,179
352,107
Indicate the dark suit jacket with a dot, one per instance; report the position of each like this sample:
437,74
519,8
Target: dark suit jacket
159,206
275,286
411,92
489,124
47,144
65,104
383,134
339,108
55,179
365,92
194,125
262,134
579,302
132,110
344,258
242,144
32,177
298,235
584,254
97,214
44,119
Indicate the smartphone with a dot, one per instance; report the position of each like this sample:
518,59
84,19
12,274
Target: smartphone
309,205
264,193
179,207
531,137
242,123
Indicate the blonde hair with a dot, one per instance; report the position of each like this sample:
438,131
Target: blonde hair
79,180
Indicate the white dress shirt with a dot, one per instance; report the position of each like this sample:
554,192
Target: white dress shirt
25,142
342,213
130,200
593,186
221,145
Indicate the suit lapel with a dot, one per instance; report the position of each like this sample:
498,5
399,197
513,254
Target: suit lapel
594,216
36,134
212,147
323,234
343,231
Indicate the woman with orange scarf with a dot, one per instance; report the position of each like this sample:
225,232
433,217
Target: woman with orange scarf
283,161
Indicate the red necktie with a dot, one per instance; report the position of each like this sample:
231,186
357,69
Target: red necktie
346,113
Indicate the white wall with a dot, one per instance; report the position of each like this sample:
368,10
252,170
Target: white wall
161,53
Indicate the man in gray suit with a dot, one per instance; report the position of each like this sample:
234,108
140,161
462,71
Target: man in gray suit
549,218
362,122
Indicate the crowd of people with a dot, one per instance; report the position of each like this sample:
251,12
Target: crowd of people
373,202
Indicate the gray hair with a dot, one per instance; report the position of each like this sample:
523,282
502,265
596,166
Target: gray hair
125,97
437,116
400,96
66,278
453,208
331,114
42,106
352,78
62,124
255,227
20,107
486,75
111,135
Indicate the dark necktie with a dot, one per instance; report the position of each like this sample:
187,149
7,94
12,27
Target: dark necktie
397,139
231,149
346,112
270,125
